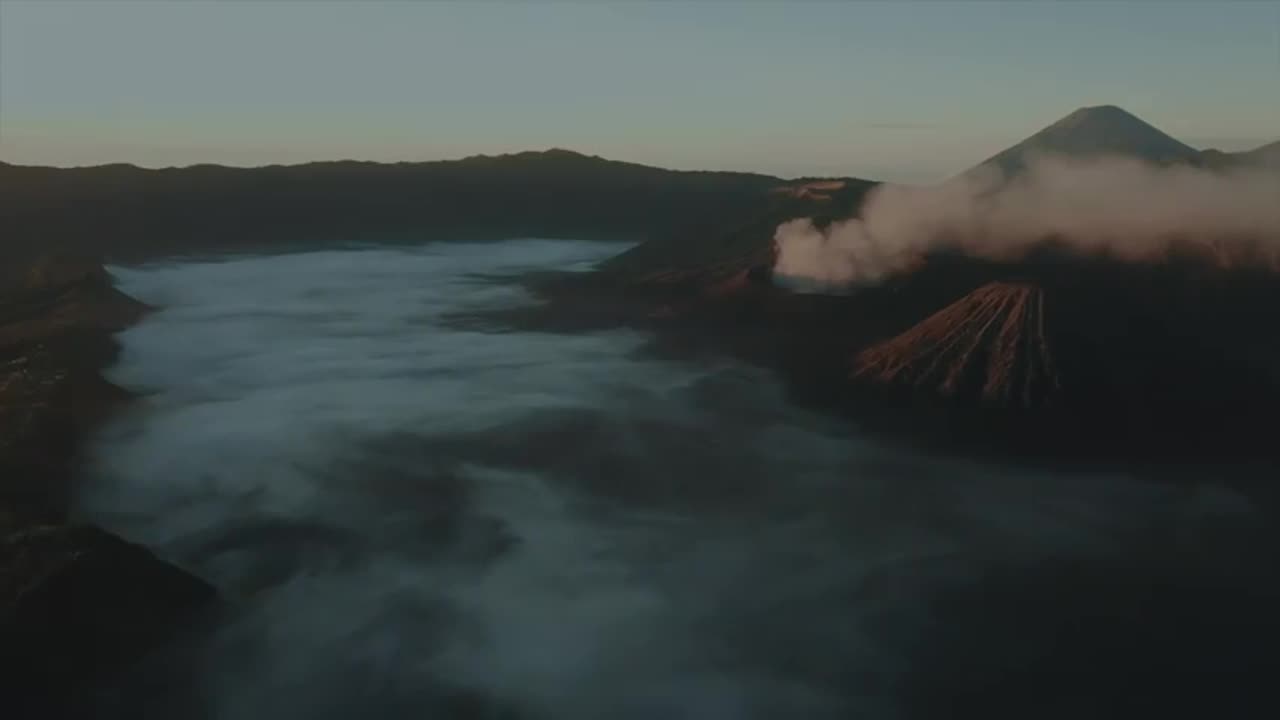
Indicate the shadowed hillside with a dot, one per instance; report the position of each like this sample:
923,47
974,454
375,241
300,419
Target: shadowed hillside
76,604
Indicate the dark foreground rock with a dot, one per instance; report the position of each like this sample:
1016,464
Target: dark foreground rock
1181,627
76,603
79,604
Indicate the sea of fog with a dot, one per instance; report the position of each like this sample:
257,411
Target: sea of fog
415,511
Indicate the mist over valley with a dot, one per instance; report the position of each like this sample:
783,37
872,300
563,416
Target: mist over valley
702,361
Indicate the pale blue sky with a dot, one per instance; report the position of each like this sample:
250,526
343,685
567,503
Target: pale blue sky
899,90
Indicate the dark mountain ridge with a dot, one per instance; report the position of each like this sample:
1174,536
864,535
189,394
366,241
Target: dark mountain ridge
126,212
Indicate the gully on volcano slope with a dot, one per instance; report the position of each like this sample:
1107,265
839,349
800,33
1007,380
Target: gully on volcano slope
414,513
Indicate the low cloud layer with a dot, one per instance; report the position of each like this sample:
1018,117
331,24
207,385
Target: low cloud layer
413,516
1120,206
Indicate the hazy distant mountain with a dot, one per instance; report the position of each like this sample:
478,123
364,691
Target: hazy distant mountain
122,211
1267,156
1096,131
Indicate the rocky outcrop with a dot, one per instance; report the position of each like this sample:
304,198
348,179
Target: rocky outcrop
76,603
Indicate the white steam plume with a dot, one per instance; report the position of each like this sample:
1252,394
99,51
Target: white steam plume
1120,206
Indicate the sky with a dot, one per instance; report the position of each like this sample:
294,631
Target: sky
906,90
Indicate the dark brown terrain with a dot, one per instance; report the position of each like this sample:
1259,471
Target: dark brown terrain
76,603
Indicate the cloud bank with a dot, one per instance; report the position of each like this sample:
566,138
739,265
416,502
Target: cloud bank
1117,206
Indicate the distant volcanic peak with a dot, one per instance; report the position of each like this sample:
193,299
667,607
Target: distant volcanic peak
1112,115
1101,130
989,347
1107,128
